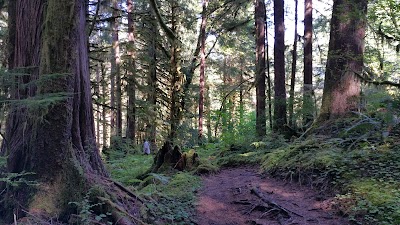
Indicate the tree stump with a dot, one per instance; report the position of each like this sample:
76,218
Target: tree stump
172,157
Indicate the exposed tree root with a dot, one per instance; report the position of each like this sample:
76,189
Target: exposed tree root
272,204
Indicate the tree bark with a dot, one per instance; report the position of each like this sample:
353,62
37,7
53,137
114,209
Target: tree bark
279,66
131,89
269,91
308,106
98,112
152,82
260,18
104,108
57,144
345,59
177,80
116,73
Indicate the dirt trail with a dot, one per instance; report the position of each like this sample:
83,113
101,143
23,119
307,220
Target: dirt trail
226,199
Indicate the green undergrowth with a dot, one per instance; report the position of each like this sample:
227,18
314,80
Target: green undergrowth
363,170
168,198
126,169
239,154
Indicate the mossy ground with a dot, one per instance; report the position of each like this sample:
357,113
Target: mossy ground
358,166
361,167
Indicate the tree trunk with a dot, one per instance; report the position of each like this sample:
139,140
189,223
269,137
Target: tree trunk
279,66
260,18
345,59
105,109
115,72
202,68
308,106
131,89
152,82
292,123
269,91
57,144
209,118
241,94
177,80
98,112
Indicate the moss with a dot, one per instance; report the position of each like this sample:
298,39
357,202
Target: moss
48,200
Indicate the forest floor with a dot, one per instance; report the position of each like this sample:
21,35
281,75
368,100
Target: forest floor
238,196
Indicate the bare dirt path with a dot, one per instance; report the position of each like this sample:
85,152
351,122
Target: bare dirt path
230,198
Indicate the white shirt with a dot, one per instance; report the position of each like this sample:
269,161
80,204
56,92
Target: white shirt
146,147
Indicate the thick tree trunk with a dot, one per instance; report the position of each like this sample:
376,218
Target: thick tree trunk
292,122
308,106
279,66
202,69
260,18
345,58
131,89
57,144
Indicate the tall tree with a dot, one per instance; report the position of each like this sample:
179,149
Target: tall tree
115,72
268,77
279,67
345,59
152,82
260,18
55,140
178,79
131,89
293,72
202,67
308,106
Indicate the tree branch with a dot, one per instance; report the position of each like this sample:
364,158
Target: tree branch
164,26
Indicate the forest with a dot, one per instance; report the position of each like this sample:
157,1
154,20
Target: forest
199,112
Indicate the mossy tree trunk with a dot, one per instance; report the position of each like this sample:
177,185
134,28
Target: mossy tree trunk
345,59
55,141
177,77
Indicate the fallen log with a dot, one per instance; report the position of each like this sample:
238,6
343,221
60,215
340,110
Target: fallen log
272,204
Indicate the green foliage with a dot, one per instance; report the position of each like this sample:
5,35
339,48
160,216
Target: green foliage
248,154
244,132
171,202
127,169
120,147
